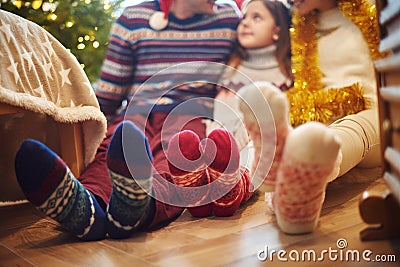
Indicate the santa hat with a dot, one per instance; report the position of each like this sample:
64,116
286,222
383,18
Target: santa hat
165,6
159,20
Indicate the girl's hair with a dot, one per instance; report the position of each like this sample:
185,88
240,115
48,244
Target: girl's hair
282,17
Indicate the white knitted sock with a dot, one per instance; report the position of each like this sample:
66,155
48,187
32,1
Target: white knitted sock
266,116
310,158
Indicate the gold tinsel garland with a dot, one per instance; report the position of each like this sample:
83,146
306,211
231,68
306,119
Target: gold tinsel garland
308,100
363,14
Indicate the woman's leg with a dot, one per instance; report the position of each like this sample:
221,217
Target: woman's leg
360,140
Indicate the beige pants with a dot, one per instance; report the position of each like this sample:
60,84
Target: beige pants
360,138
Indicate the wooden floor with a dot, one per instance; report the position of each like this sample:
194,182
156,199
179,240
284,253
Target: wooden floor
28,239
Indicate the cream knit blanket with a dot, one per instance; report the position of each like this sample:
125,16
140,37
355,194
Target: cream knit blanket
38,74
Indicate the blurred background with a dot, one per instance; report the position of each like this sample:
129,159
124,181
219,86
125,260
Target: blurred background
82,26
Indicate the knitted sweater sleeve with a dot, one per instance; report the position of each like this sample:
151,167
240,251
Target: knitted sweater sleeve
117,69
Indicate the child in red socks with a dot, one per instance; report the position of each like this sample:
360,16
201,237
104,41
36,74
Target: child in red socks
334,85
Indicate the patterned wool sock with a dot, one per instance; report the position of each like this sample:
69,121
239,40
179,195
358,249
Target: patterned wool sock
224,169
129,161
48,183
189,170
259,124
311,156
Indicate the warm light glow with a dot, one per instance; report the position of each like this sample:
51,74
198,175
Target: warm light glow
87,37
69,24
87,2
18,3
49,6
96,44
81,46
52,16
36,4
80,39
106,5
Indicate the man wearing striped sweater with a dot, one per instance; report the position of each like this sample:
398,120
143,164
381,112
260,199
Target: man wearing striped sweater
163,61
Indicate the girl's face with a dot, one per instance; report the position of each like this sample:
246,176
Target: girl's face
257,28
306,6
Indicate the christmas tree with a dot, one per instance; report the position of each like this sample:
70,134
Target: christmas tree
82,26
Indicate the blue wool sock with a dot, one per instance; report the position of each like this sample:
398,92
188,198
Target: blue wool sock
48,183
129,162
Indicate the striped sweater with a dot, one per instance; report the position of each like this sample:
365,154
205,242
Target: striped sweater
160,69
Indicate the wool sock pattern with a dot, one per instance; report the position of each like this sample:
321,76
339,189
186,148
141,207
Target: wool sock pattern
224,170
49,184
74,207
129,201
184,149
258,123
57,205
127,195
311,155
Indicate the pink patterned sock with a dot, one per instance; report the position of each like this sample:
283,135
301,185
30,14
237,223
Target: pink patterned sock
310,157
188,169
266,116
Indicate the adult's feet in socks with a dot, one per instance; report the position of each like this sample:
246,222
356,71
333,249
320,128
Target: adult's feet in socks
48,183
258,121
222,155
310,158
129,161
188,169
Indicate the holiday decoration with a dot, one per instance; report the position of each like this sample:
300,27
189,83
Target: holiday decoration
82,26
308,102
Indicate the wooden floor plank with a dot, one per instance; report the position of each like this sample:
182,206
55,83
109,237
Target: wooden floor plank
145,244
9,258
45,243
16,216
29,239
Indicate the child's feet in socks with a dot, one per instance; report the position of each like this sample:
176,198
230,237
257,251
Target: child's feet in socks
311,156
188,169
129,161
48,183
263,107
227,187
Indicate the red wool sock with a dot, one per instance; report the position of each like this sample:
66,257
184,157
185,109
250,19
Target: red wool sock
222,154
188,169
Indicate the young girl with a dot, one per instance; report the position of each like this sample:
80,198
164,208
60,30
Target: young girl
334,43
263,53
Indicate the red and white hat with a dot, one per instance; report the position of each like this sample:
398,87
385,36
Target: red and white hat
159,20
